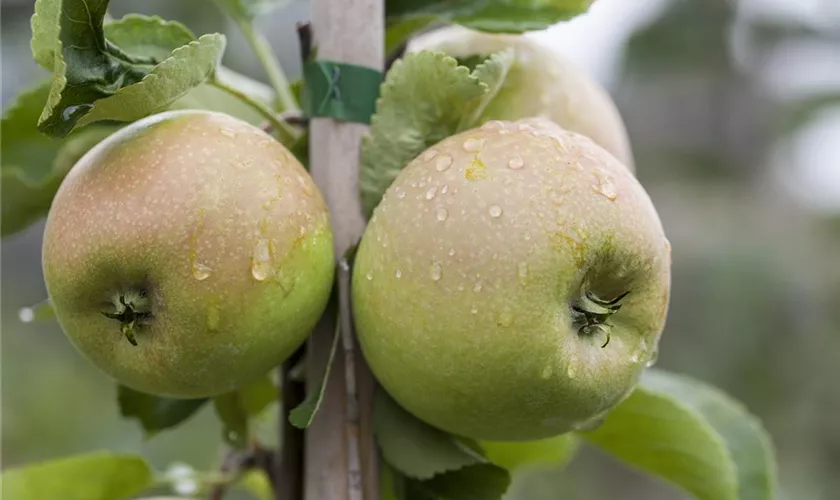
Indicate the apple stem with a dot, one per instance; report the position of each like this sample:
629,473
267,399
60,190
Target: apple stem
129,309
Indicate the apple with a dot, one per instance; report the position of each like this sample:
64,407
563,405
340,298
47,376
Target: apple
187,254
512,284
541,82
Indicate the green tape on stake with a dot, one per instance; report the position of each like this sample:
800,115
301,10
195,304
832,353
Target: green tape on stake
342,91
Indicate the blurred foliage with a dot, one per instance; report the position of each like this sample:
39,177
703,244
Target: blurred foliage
756,273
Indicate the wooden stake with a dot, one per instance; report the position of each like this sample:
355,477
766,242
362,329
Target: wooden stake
340,460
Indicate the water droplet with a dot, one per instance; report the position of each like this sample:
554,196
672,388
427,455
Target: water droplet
444,189
473,145
400,193
436,271
495,211
443,163
307,187
516,163
442,214
369,275
451,252
505,319
429,154
213,316
523,272
261,260
571,371
547,372
201,271
69,112
398,274
556,198
431,193
478,286
474,310
26,315
605,186
527,235
227,132
493,125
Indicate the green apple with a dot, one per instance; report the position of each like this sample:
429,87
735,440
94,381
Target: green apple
512,284
187,254
541,82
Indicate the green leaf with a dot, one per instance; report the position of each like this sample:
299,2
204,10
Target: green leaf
660,430
303,415
147,36
415,448
93,476
87,67
473,482
33,164
45,28
188,67
236,408
492,72
156,413
501,16
555,451
206,96
249,9
423,100
749,445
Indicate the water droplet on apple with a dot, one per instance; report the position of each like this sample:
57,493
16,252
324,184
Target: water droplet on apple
429,154
201,271
571,371
227,132
400,193
444,189
431,193
261,260
495,211
605,186
451,252
369,275
442,214
478,286
473,145
474,310
443,163
436,271
654,357
398,274
527,235
516,163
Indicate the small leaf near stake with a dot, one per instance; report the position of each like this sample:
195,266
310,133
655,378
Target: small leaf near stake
691,435
302,416
92,476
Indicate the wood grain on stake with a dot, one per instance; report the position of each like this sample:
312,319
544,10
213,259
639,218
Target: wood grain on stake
340,460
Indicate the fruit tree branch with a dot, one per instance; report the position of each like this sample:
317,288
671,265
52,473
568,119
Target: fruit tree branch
345,31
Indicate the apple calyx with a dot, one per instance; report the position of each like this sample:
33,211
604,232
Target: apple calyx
594,312
130,308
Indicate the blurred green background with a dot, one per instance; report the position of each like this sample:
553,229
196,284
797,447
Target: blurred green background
733,108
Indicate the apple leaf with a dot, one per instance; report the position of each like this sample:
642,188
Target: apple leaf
33,164
249,9
423,100
236,408
211,98
492,72
92,476
415,448
555,451
500,16
147,36
477,481
156,413
45,29
692,435
186,68
303,415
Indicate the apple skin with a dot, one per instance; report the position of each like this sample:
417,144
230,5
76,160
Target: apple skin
210,227
541,82
467,276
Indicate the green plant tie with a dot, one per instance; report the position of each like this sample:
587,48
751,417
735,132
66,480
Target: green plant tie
341,91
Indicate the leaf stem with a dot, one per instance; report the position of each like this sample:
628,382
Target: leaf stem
287,134
268,59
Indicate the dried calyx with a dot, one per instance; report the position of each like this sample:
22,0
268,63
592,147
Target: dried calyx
131,309
594,312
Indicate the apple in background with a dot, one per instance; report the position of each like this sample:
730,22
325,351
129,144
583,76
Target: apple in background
541,82
513,283
187,254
